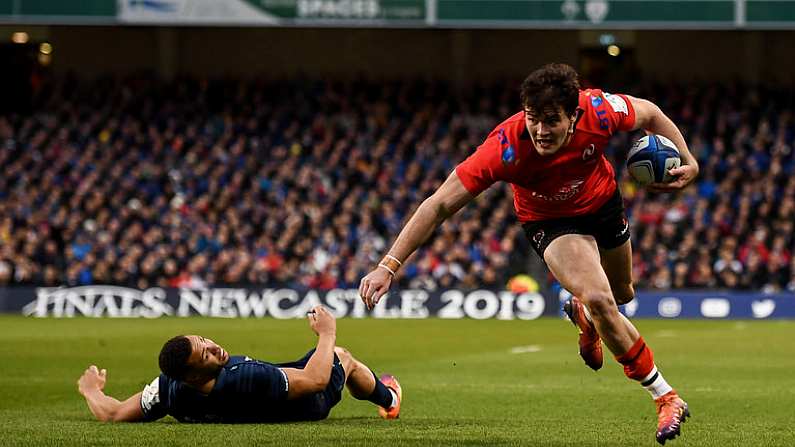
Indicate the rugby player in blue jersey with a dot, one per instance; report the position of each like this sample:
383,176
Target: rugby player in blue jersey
201,382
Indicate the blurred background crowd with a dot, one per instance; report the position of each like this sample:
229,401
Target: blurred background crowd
305,183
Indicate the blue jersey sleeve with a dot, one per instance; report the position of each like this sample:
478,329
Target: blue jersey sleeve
152,404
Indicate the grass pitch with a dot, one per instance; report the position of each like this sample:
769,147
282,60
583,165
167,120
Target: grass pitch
465,382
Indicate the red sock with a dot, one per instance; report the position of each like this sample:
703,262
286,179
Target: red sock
638,361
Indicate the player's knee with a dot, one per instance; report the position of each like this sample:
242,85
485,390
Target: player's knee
343,354
601,304
624,293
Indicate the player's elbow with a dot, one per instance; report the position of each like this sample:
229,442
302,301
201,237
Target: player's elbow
647,114
106,416
436,206
307,386
120,417
314,382
310,380
116,415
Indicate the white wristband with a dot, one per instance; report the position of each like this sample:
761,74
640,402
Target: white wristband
387,269
400,264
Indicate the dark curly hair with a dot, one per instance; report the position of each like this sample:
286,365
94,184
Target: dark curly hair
174,357
550,87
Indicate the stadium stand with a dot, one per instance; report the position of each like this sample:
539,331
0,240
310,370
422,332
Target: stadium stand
302,183
734,230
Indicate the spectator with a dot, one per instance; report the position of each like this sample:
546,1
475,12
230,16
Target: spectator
299,184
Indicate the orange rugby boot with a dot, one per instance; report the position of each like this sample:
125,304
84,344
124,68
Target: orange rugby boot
391,382
590,343
672,412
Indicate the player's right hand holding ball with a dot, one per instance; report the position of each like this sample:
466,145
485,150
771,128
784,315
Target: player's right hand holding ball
655,162
683,176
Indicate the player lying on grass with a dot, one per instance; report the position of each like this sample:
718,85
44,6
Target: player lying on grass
567,198
201,382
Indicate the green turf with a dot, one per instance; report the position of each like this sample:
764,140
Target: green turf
462,384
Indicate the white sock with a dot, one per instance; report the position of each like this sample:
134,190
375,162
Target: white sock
655,384
394,399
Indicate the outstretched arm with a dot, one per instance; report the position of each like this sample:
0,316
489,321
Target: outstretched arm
650,118
105,408
445,202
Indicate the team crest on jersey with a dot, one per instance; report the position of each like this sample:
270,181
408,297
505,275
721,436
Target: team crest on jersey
508,152
588,152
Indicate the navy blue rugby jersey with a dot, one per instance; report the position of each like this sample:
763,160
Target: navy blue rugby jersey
246,390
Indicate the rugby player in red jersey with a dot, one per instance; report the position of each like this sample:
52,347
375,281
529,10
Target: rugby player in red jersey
568,201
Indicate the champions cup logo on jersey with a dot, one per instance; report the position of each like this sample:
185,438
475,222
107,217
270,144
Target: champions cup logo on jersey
508,152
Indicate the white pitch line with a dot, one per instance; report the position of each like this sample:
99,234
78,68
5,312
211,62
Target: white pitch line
525,349
666,334
706,390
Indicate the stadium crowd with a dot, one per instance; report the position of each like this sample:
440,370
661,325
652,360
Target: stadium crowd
302,183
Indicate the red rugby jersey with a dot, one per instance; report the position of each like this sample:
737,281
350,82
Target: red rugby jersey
576,180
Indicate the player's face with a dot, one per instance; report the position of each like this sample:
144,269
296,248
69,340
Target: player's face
549,129
207,357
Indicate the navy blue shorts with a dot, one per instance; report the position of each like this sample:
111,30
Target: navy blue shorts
318,405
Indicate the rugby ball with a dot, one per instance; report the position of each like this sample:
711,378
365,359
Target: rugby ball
651,157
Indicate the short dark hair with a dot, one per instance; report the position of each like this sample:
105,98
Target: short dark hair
174,357
550,87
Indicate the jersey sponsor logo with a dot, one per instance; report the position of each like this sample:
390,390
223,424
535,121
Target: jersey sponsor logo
617,103
599,106
508,152
151,395
569,190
